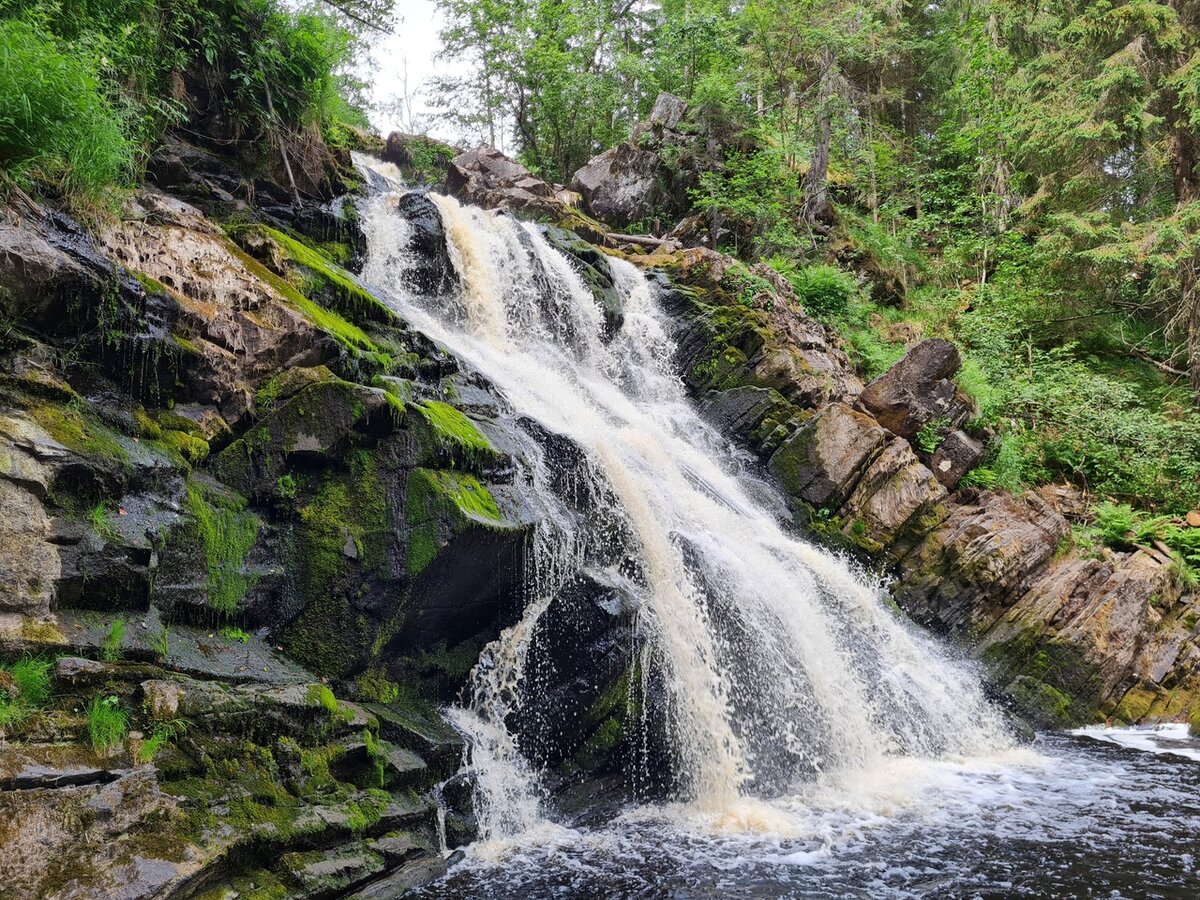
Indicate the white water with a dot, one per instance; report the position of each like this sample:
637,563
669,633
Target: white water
787,674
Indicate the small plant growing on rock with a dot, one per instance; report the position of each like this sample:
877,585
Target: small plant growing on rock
110,649
236,635
164,733
107,722
24,688
99,518
161,643
929,438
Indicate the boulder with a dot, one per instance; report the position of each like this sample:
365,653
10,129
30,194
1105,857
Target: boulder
821,462
917,390
954,456
892,491
486,177
630,181
619,185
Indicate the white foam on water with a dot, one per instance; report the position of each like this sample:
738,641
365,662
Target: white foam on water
1174,739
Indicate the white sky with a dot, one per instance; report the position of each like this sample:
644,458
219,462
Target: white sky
414,43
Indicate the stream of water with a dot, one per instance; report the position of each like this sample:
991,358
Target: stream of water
823,746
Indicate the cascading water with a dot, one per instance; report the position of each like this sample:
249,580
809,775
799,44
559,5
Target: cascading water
780,662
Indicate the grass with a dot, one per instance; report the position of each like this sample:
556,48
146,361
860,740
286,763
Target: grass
24,688
163,734
107,722
101,522
59,128
110,648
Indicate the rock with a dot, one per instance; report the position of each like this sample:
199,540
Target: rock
821,462
420,159
918,390
962,575
77,670
487,177
954,456
428,269
630,181
894,489
619,185
396,884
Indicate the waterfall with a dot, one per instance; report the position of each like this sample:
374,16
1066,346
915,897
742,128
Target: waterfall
781,662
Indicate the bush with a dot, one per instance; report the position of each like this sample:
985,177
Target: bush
824,291
57,126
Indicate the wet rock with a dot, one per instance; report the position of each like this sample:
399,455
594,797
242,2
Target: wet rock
821,462
917,390
429,271
412,874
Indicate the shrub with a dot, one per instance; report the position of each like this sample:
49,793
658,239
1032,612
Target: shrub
107,722
57,126
824,291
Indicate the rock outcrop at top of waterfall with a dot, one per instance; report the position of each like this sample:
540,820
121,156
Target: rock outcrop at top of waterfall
1064,638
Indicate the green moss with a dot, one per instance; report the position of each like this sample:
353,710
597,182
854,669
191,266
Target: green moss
440,498
80,432
375,686
185,446
226,533
344,530
350,299
322,696
455,429
349,335
1030,659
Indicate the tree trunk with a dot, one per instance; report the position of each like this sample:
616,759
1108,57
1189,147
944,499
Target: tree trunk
816,185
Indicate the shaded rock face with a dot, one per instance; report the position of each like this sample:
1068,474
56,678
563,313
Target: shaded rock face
1064,639
486,177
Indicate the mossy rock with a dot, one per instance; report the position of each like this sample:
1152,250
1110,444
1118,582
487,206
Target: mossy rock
593,267
321,421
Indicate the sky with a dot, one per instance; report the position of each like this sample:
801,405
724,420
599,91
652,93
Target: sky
413,44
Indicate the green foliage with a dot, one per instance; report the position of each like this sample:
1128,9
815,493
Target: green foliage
110,648
929,438
58,126
824,291
1115,523
24,688
107,722
163,734
237,635
226,532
